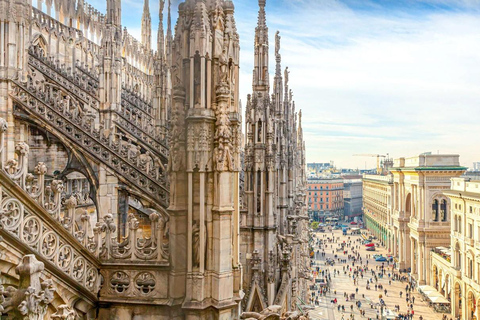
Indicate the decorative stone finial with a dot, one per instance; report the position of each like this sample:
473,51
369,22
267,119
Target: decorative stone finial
30,301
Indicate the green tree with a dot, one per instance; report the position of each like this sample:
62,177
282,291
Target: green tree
314,225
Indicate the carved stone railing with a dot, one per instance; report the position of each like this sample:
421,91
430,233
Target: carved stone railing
100,240
43,20
137,101
143,128
133,247
136,120
92,73
143,170
84,86
77,83
41,235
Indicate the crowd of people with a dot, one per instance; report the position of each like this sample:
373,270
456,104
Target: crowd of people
348,261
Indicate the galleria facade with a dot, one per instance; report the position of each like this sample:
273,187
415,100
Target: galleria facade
426,212
127,188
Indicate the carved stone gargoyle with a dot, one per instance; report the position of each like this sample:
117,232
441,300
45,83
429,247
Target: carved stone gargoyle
270,313
64,313
31,299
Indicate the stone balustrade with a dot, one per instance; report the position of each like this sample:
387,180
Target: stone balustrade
137,101
100,239
134,116
140,167
79,84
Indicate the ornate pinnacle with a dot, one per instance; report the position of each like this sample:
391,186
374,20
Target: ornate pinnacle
262,21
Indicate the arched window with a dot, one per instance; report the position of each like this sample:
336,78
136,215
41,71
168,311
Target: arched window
435,210
470,268
443,210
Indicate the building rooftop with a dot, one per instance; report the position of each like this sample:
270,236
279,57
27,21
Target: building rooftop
323,179
467,185
428,161
379,178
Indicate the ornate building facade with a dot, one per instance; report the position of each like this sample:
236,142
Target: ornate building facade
377,208
120,166
273,225
456,268
420,210
408,211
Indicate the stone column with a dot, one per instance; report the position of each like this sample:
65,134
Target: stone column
402,250
422,264
178,199
223,209
412,257
394,251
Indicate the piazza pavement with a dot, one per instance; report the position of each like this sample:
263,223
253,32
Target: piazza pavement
369,299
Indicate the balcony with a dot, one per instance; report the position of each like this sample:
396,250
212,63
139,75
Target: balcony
444,253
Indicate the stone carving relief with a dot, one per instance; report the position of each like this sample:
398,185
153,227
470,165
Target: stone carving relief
64,312
199,137
274,312
133,283
33,296
223,158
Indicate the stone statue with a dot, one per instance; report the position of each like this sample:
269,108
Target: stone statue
196,244
219,37
277,43
223,61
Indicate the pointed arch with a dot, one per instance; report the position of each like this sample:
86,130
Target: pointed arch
39,45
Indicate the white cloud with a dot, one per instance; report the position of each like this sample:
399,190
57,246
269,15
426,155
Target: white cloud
369,80
410,80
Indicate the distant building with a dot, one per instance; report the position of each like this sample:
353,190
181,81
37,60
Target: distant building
325,198
352,195
476,166
420,209
317,169
377,206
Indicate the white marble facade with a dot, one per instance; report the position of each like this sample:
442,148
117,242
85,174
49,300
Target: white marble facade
274,221
121,193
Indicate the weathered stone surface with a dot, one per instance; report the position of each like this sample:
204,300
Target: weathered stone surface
121,168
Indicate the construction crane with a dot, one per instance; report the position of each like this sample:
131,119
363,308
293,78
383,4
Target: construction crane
379,169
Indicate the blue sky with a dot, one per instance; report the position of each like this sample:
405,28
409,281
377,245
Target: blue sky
386,76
